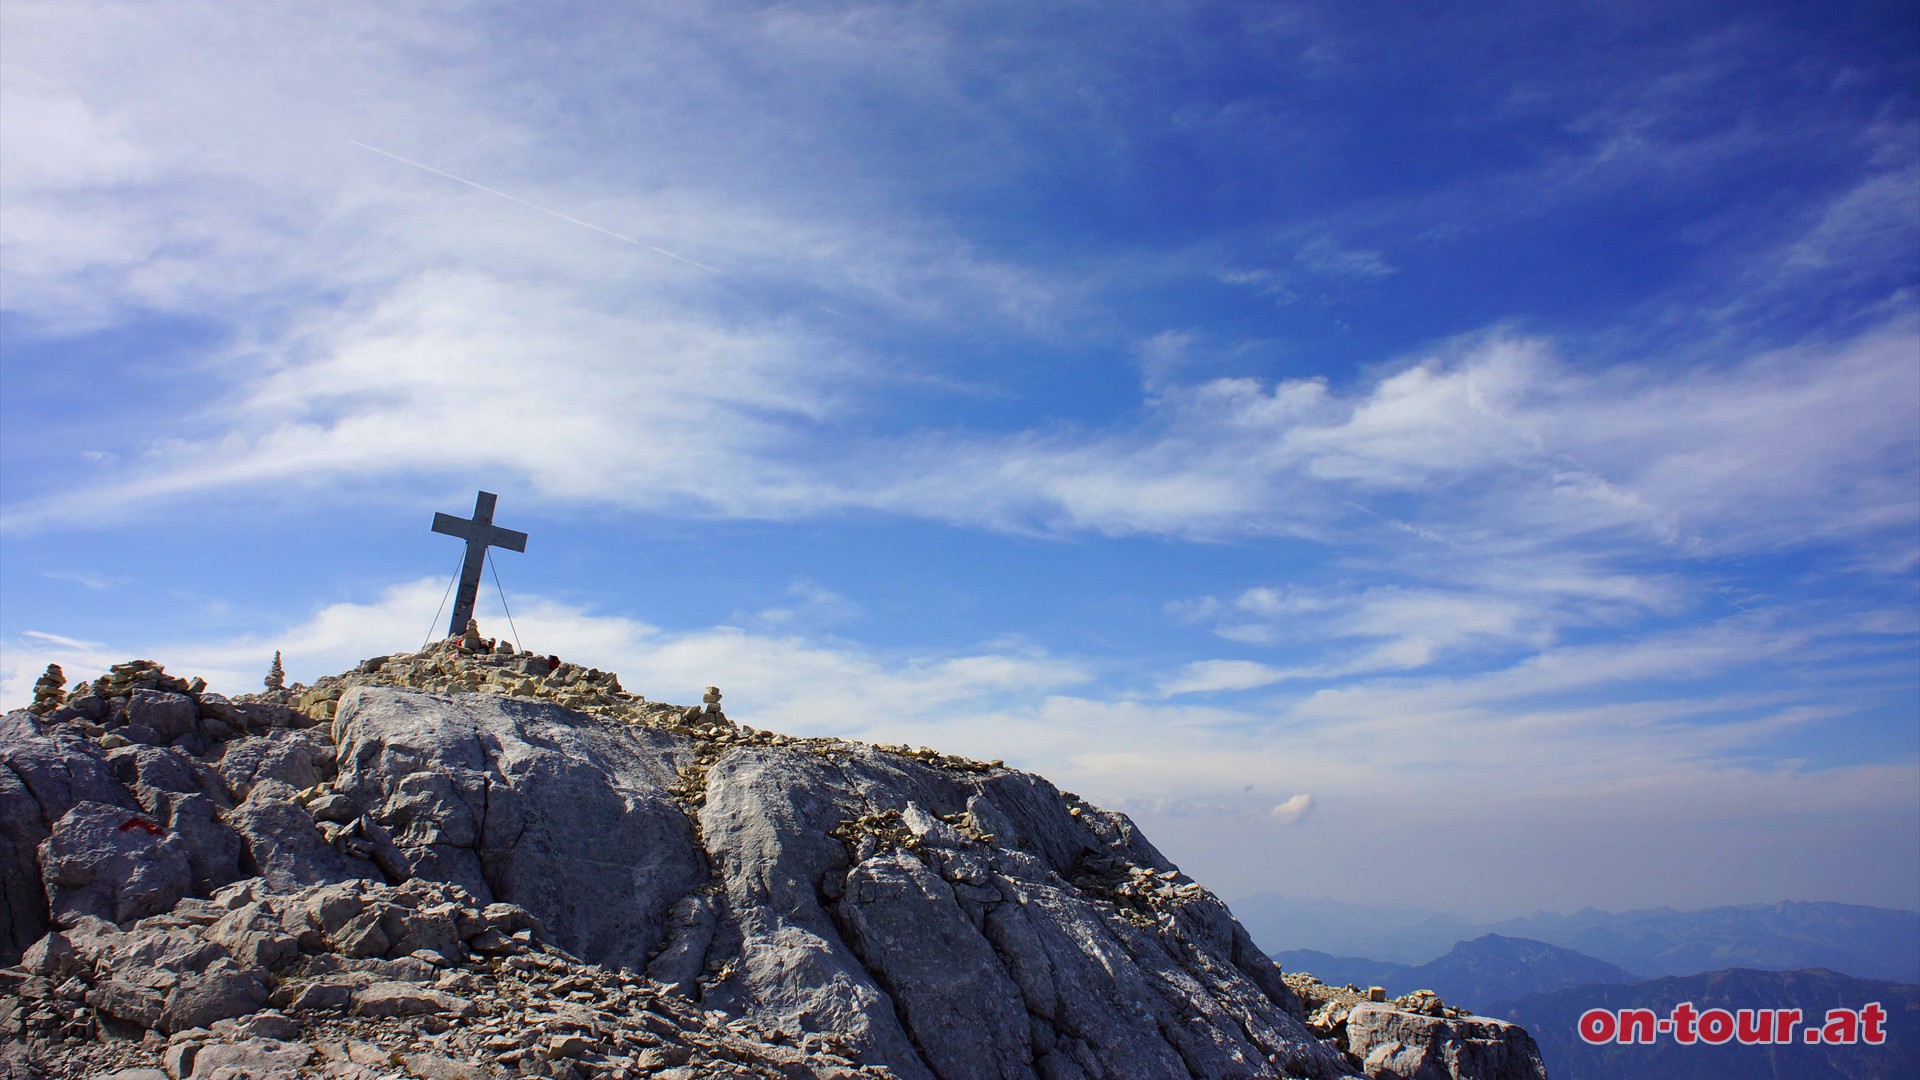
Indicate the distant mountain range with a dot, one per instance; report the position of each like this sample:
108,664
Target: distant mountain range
1552,1018
1486,974
1545,989
1864,942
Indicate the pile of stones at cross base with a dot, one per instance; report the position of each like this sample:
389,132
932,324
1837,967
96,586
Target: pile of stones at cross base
475,861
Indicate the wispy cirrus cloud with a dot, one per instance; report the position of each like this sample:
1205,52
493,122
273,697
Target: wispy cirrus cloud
87,579
424,311
1495,440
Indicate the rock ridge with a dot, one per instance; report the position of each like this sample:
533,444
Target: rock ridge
470,861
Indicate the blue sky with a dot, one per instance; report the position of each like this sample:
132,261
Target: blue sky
1397,452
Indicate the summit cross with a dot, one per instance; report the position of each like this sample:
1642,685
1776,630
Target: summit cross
480,533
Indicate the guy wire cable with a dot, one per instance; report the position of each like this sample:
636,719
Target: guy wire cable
443,604
519,644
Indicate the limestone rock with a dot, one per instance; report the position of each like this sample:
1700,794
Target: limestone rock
168,715
299,759
550,809
1030,968
524,870
102,861
165,978
226,988
220,707
250,1059
188,798
286,846
407,999
50,956
42,777
255,936
1392,1044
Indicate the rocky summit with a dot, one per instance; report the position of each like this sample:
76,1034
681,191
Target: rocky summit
476,862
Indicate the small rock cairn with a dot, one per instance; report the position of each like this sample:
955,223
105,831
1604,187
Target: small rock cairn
48,694
123,679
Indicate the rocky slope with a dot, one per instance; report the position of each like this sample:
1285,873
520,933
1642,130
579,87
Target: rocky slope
467,863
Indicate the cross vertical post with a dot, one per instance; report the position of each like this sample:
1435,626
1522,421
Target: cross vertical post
480,533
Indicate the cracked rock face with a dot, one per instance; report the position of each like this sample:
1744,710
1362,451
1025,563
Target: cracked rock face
532,803
389,881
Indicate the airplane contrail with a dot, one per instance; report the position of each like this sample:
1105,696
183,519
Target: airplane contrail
536,206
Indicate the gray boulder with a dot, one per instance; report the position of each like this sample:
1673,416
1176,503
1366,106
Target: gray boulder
1395,1045
42,776
407,999
565,814
298,759
907,927
986,958
52,955
220,707
775,846
255,935
163,977
284,845
189,798
167,714
103,861
250,1059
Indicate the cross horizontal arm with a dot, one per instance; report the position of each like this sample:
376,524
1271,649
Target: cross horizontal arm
487,535
505,538
452,526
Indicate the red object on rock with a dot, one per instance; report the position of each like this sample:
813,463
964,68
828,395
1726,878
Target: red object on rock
143,824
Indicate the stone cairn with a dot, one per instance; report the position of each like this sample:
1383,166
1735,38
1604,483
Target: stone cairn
47,692
707,711
133,675
276,681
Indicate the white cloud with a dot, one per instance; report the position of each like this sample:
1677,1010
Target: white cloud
1492,442
1293,811
86,579
811,605
1207,676
386,321
1516,606
1323,255
63,642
